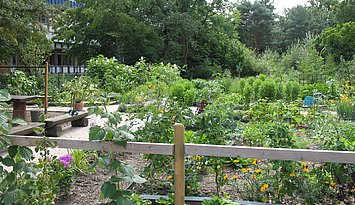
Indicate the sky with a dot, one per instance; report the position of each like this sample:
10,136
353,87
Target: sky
280,5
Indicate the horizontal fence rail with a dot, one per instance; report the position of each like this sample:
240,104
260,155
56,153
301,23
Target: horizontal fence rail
198,149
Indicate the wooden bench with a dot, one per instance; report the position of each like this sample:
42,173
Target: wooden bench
25,129
52,128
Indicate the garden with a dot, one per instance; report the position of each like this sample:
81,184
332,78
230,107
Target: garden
214,113
260,111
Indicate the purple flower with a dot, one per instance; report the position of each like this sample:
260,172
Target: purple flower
65,160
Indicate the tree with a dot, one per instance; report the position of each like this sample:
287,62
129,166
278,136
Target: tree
257,20
23,35
339,41
105,27
302,20
344,11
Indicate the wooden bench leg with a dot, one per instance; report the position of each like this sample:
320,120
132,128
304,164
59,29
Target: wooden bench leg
19,110
55,131
83,122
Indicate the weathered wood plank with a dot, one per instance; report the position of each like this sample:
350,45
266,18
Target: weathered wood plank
132,147
60,119
179,164
200,149
271,153
25,129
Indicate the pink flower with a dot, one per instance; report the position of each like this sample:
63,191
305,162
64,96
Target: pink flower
65,160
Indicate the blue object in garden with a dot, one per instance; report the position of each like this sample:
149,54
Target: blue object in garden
308,101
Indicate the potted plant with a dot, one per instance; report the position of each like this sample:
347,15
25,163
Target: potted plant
81,90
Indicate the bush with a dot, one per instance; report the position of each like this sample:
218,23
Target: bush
267,89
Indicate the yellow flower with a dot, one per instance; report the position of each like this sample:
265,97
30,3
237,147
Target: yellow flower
236,160
255,161
170,177
234,177
327,182
253,176
198,167
292,175
257,171
244,170
188,187
262,189
266,186
198,157
225,177
352,191
304,164
305,170
333,184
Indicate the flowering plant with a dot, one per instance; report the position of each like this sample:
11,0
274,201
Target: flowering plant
66,159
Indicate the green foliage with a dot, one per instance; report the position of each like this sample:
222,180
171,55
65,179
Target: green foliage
219,201
338,40
251,26
183,91
23,34
112,130
81,89
346,110
122,173
23,85
267,90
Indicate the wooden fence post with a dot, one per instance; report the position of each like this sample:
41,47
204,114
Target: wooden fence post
179,166
46,88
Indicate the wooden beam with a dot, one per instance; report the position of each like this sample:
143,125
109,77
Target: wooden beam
179,164
46,78
132,147
200,149
271,153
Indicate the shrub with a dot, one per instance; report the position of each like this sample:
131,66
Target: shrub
247,93
267,89
256,88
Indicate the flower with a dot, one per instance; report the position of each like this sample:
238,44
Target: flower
225,177
65,160
188,187
234,177
253,176
305,170
292,175
333,184
198,167
198,157
255,161
170,177
257,171
304,164
236,160
352,191
264,187
244,170
326,182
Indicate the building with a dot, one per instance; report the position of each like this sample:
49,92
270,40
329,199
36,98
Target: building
58,60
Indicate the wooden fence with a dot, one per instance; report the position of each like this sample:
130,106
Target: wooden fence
179,149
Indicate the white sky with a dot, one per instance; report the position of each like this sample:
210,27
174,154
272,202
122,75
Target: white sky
280,5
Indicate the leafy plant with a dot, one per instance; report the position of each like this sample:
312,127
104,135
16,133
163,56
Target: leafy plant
219,201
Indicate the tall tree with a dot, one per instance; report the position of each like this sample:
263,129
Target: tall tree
257,20
23,35
105,27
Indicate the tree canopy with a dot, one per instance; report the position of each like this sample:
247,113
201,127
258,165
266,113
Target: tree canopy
22,34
